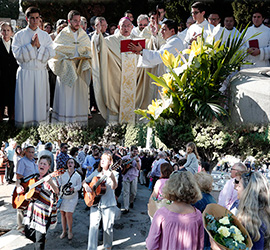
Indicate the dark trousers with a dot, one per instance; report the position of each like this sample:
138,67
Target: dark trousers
9,171
41,238
40,241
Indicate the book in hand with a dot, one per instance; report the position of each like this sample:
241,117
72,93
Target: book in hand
126,42
254,43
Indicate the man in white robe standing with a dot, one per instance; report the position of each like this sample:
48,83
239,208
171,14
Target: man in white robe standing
195,30
32,49
72,65
259,46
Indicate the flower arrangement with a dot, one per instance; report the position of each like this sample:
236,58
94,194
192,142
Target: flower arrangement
190,90
156,203
224,228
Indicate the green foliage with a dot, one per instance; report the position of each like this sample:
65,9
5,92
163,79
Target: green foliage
113,134
191,92
243,10
8,131
174,136
175,7
74,134
31,134
9,8
135,135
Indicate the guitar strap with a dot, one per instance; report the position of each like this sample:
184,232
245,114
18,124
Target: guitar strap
66,185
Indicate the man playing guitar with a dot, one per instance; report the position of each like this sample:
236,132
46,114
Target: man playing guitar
130,179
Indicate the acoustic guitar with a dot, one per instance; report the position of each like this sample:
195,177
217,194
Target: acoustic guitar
98,187
126,164
31,190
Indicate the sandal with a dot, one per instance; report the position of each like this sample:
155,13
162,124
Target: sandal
63,235
70,235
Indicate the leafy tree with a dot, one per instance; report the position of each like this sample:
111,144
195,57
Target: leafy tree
9,8
243,10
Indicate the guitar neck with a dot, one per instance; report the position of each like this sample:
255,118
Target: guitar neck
37,183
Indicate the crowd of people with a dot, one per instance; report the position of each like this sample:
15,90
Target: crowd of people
46,70
169,176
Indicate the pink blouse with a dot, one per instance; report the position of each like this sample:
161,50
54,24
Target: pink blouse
175,231
159,186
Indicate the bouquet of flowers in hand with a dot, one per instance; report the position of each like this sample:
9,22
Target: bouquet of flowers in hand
156,203
224,228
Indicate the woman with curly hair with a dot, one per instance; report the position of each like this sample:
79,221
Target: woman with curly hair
179,225
254,208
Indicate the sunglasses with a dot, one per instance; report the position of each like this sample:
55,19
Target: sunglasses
236,182
195,12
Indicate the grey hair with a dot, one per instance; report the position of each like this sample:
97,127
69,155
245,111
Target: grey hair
142,17
162,154
99,19
6,24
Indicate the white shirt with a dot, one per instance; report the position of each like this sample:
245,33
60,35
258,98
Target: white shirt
7,44
261,60
218,31
182,34
151,58
196,29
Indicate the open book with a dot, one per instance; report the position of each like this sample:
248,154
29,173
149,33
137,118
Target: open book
125,43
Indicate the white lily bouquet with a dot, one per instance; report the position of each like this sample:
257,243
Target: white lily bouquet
225,229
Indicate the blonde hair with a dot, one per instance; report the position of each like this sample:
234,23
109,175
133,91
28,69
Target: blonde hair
254,206
107,154
193,147
204,181
182,187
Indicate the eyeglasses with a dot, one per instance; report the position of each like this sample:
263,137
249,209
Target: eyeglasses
236,182
194,13
213,19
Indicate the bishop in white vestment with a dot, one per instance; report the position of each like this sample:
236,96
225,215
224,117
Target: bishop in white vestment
120,87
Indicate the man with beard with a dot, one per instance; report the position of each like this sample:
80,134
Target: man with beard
72,65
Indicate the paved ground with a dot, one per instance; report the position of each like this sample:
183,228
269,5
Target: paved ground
130,231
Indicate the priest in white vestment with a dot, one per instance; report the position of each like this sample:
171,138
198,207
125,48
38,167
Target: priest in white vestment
173,45
119,86
72,65
259,52
32,49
